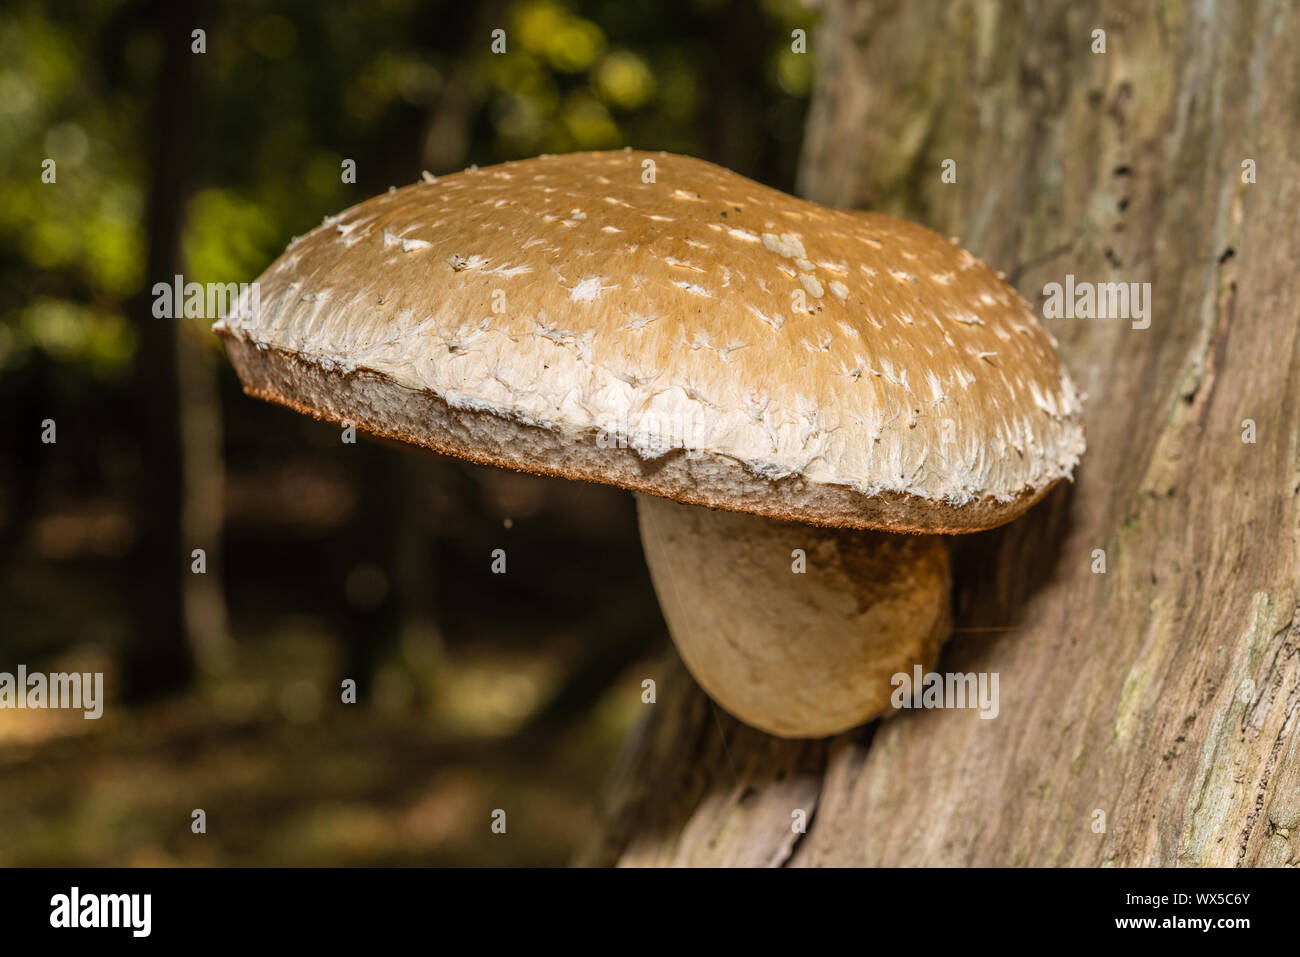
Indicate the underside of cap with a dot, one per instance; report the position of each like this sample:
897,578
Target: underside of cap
699,337
374,403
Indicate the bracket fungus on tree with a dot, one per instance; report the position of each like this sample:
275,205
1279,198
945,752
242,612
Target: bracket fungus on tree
770,375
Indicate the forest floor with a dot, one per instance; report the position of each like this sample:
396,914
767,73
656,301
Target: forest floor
289,781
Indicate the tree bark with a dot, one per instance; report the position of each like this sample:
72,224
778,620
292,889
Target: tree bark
1148,714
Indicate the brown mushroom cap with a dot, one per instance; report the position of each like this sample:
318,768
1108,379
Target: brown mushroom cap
699,337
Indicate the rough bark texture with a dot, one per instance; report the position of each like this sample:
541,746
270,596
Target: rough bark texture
1165,691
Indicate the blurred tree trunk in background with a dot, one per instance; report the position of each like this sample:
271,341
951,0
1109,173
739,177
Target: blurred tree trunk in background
203,502
444,148
372,603
732,135
25,394
1148,714
158,660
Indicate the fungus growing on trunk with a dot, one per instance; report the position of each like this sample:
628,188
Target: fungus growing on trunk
787,387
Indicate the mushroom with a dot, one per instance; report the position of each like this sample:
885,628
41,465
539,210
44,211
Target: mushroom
804,399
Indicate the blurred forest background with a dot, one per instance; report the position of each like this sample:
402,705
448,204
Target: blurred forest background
324,561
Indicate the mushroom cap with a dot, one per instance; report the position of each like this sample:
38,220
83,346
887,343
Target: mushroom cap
663,324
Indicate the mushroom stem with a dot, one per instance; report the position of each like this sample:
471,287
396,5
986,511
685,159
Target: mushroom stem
798,654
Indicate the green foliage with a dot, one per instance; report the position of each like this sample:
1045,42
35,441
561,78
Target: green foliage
290,90
72,248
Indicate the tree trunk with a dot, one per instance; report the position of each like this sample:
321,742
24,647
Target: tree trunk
1148,713
203,482
159,662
